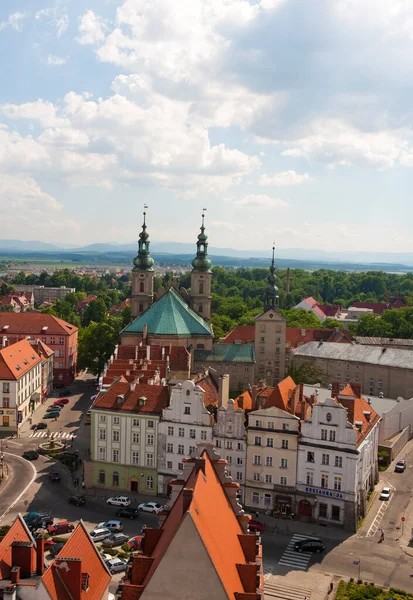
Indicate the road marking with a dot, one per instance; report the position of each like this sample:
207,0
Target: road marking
291,558
380,513
25,489
53,436
13,443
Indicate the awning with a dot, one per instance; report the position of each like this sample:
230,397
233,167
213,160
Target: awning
283,500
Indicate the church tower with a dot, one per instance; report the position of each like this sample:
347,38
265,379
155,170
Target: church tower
271,298
142,275
201,277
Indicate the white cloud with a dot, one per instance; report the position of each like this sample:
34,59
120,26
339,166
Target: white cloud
88,169
91,28
56,17
285,178
63,138
260,200
229,226
44,112
14,21
18,152
56,60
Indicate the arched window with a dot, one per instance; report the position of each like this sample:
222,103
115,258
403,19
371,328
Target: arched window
201,288
149,482
200,308
141,287
140,307
102,477
262,327
115,478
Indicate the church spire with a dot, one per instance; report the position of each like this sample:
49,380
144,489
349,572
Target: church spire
201,262
144,261
271,298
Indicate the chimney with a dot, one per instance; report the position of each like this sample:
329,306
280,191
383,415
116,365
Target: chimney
148,353
187,494
223,391
70,571
253,392
40,555
301,391
23,555
132,385
335,389
356,387
4,341
15,574
144,333
295,399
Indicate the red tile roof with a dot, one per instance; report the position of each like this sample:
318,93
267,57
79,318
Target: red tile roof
16,360
18,532
243,334
78,556
208,384
84,303
281,394
31,323
358,409
296,336
312,303
178,355
156,398
330,310
243,401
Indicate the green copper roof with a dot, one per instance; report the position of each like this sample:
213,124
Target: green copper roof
201,261
241,353
144,260
170,315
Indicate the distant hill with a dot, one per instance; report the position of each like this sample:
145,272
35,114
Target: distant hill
31,246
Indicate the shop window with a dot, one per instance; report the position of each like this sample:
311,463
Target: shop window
115,478
335,513
102,477
255,498
322,511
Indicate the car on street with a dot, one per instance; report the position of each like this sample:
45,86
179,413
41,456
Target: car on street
128,512
77,500
135,542
400,466
116,539
55,549
118,501
98,535
53,408
151,507
114,526
385,494
40,522
33,426
116,565
57,405
52,415
88,421
309,545
61,527
30,455
31,516
54,476
62,401
255,526
41,426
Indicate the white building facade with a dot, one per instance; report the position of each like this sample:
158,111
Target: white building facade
184,423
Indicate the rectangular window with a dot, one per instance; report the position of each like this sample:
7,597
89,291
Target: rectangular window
102,434
115,435
102,453
180,466
149,460
310,457
239,461
240,446
324,480
169,447
268,479
256,476
6,388
258,423
218,443
283,481
310,478
149,439
61,340
337,484
187,410
255,498
102,418
335,513
262,339
229,445
192,433
135,422
170,430
325,459
52,340
116,420
229,460
181,449
268,461
115,456
270,442
284,444
257,459
169,464
135,438
181,432
257,441
332,436
203,434
239,475
284,463
6,402
192,450
135,458
267,499
285,426
338,461
262,349
271,425
150,424
322,511
324,434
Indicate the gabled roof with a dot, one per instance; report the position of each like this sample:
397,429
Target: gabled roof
210,387
239,353
32,323
156,398
281,394
18,532
296,336
79,547
330,310
241,334
358,410
16,360
170,315
314,305
243,401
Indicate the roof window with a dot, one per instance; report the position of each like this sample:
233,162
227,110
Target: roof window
45,328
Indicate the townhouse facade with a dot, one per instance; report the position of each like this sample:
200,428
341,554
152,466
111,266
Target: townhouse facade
271,471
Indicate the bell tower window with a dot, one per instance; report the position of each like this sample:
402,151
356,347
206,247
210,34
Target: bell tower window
201,288
200,308
140,307
141,287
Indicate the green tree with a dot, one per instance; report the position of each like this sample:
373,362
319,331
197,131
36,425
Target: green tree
297,317
330,323
95,312
96,344
307,372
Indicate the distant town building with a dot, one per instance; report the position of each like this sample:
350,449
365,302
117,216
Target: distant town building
45,294
236,359
17,302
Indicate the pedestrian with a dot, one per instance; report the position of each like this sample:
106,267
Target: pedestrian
257,514
83,485
382,535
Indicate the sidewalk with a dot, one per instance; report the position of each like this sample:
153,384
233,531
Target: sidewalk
291,526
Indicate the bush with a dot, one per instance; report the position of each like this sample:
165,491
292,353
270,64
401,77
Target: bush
125,547
59,540
3,530
399,592
123,555
110,551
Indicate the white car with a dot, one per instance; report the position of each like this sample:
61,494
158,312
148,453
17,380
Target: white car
152,507
116,565
118,501
385,494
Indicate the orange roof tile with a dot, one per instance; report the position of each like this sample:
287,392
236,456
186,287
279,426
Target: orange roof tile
207,383
32,323
243,401
18,532
357,408
156,398
16,360
242,333
280,395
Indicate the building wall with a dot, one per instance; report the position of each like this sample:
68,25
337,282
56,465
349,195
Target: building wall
242,374
270,347
141,299
396,419
201,293
304,306
19,398
272,440
153,340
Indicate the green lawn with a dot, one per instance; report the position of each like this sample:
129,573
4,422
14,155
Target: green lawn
359,591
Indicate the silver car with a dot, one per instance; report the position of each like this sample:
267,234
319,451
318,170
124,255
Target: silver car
116,565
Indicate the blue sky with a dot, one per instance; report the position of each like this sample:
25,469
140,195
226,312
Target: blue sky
290,121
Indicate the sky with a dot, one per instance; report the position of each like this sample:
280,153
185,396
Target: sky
290,121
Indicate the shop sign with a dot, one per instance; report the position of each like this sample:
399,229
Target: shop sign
322,492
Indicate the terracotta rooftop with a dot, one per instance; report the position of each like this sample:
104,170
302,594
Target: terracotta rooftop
156,398
281,393
178,355
16,360
359,410
296,336
378,308
33,324
243,401
18,532
210,387
242,334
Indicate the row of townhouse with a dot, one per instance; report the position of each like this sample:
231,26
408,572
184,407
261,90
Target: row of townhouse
316,460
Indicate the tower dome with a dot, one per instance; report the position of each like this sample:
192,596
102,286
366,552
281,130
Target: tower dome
201,261
143,261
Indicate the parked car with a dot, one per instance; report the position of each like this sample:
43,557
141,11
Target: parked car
309,545
54,476
114,526
48,544
53,408
30,455
77,500
116,565
33,426
152,507
255,526
385,494
57,405
400,466
41,426
128,512
98,535
55,549
52,415
62,401
41,522
135,542
118,501
116,539
31,516
61,527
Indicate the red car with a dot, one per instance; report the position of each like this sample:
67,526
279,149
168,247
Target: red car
255,526
61,527
135,542
61,401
